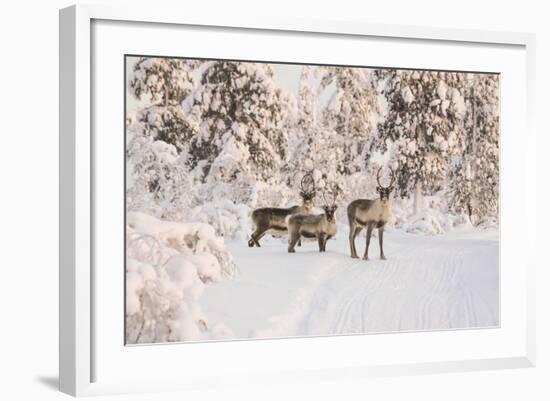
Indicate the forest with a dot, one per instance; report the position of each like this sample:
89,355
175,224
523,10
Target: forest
208,141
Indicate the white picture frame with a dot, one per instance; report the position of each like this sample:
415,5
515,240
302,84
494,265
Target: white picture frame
78,163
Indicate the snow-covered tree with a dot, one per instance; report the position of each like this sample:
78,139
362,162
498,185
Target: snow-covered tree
320,140
486,148
352,113
474,186
307,135
164,83
424,127
312,145
168,265
160,79
168,124
307,102
157,136
157,176
238,113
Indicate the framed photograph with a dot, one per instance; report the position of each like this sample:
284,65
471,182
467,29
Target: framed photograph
278,200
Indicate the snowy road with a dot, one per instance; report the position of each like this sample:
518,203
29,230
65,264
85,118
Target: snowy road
427,283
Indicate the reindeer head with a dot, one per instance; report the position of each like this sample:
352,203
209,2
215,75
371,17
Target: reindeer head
307,190
330,207
383,191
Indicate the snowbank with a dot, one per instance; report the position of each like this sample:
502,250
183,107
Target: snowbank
433,219
168,266
488,223
230,220
431,222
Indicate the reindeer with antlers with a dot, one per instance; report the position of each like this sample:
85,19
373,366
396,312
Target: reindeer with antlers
274,220
370,214
322,227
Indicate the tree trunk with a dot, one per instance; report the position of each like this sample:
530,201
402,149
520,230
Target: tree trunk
418,199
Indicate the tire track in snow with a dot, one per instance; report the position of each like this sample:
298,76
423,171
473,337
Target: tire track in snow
427,283
366,296
371,277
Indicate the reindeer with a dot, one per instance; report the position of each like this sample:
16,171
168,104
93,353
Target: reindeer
273,220
370,213
322,226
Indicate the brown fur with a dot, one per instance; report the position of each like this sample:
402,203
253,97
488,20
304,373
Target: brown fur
368,214
272,219
322,227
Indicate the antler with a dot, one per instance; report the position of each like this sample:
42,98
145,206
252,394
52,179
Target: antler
391,180
307,185
335,190
324,198
378,176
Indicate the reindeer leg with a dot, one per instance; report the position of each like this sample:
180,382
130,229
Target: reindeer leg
322,240
381,239
256,236
325,243
294,238
300,242
353,231
370,227
251,240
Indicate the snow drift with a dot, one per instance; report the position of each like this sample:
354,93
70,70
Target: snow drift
168,265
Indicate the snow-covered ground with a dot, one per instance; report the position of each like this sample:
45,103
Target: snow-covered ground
427,283
202,154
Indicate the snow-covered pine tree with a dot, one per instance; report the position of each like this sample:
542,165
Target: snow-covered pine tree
158,180
474,185
157,176
307,101
165,80
239,115
461,189
424,128
304,132
168,124
164,83
486,148
352,113
300,132
312,145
